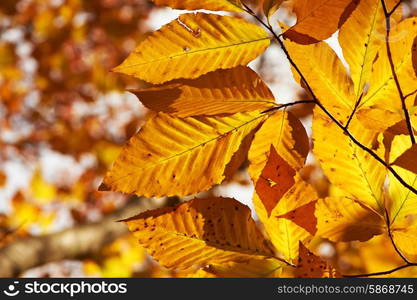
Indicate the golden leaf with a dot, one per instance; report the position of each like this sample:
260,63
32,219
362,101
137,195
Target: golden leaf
287,135
326,76
341,219
174,156
317,20
408,160
193,45
312,266
200,232
360,38
346,165
224,91
402,202
383,90
284,231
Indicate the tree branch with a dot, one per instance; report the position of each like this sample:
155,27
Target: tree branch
383,272
394,74
73,243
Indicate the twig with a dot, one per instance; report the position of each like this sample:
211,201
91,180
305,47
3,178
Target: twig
286,105
358,102
394,74
383,272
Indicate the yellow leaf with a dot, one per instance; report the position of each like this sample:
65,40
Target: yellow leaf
341,219
174,156
200,232
312,266
408,160
193,45
378,119
317,20
383,90
284,231
224,91
360,38
287,135
326,75
405,239
402,201
225,5
346,165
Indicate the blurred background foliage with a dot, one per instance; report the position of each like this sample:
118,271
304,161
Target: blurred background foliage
64,117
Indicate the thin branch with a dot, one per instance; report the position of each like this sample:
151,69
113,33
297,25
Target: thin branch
318,103
395,8
358,102
394,74
286,105
410,94
388,222
381,273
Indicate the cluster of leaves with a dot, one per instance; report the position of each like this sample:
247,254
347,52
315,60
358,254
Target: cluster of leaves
211,113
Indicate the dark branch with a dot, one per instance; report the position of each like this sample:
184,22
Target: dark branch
394,74
381,273
286,105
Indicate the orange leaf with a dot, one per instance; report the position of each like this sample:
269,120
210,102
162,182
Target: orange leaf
312,266
276,179
408,160
317,20
304,217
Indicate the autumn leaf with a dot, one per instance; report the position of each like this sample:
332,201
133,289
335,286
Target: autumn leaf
276,179
284,231
408,160
318,20
360,38
200,232
223,91
312,266
383,89
190,155
226,5
346,165
405,239
193,45
341,219
402,202
288,137
326,76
